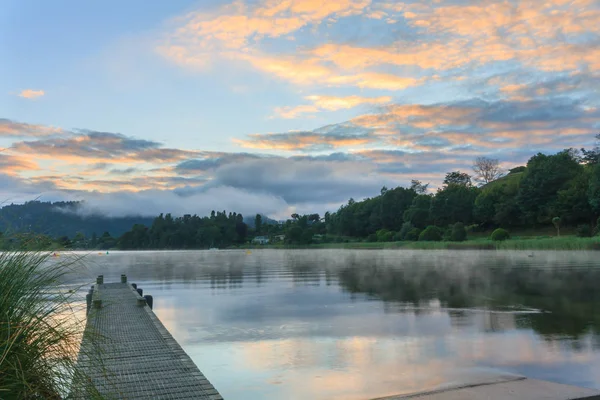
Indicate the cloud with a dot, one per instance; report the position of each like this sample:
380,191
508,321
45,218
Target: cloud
150,203
98,147
473,127
11,165
304,141
301,180
31,94
9,128
329,103
417,43
208,161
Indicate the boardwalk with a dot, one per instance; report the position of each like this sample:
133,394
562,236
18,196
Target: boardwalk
129,354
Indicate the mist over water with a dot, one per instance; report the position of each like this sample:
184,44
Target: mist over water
359,324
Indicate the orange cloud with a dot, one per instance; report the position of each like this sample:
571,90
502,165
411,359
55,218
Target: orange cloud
19,129
328,103
13,165
293,141
555,35
31,94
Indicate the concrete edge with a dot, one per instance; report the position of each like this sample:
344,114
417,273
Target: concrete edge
448,389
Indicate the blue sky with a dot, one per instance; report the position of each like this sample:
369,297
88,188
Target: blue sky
166,103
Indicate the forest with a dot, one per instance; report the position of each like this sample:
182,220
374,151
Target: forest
560,191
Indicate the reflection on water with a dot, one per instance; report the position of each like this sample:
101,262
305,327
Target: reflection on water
345,324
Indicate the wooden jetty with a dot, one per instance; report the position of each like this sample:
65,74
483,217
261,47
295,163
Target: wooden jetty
127,353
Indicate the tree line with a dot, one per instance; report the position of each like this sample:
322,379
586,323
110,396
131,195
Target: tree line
561,189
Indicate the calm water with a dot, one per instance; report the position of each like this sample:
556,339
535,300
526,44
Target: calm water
345,324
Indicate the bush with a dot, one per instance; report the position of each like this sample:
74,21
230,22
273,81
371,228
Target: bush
387,237
413,235
459,233
397,237
500,235
598,226
405,229
431,234
372,238
583,230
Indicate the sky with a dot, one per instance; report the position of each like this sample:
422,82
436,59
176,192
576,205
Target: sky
281,106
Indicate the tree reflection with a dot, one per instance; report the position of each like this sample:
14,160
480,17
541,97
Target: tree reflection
567,298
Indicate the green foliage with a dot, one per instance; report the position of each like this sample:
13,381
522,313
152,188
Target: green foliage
593,192
457,178
500,235
459,233
583,230
406,227
372,238
187,232
556,222
544,178
39,332
413,235
431,234
418,212
258,224
453,203
515,170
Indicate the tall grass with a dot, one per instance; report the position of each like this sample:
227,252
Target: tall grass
542,243
39,334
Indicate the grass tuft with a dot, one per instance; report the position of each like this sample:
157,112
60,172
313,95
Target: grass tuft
39,333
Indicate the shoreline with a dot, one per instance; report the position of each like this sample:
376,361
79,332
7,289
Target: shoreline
562,243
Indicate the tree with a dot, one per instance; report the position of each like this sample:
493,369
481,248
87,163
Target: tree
258,223
418,213
545,176
457,178
592,156
459,233
556,223
594,189
418,187
487,170
453,203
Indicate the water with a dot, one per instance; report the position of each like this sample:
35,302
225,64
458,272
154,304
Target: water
360,324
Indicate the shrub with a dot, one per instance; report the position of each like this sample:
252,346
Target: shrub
500,235
405,229
583,230
387,237
459,233
372,238
431,234
413,235
598,226
397,237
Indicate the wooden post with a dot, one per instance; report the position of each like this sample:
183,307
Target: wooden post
149,300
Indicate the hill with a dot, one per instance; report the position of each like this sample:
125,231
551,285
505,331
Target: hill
60,219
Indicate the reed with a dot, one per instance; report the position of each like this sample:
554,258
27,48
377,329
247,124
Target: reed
39,333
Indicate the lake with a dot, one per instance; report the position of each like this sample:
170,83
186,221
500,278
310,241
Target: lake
360,324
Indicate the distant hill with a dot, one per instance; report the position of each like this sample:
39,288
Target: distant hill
249,220
59,219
